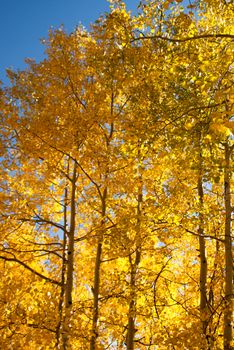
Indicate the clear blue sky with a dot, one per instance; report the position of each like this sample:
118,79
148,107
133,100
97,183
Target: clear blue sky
24,22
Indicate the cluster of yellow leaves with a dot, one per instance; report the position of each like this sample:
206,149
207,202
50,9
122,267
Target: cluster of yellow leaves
141,107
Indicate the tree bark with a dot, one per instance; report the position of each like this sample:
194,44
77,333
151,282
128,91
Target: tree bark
63,273
204,304
96,286
228,311
70,263
131,331
204,309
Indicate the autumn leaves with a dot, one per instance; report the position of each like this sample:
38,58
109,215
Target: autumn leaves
116,185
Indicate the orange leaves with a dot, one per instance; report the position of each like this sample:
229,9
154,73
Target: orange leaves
183,20
220,129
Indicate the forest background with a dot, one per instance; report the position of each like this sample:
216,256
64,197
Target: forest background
116,184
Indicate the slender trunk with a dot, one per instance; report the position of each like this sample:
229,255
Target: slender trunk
203,261
96,283
96,286
204,305
132,304
228,311
134,266
211,300
70,263
62,291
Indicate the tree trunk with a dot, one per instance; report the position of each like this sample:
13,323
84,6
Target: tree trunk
96,286
63,272
228,311
204,304
70,263
132,305
203,261
131,331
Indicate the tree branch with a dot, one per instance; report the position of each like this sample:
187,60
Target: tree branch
48,279
182,40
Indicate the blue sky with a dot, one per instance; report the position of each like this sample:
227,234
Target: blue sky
24,22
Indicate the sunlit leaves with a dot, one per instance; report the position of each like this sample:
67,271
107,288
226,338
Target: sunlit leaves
142,108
